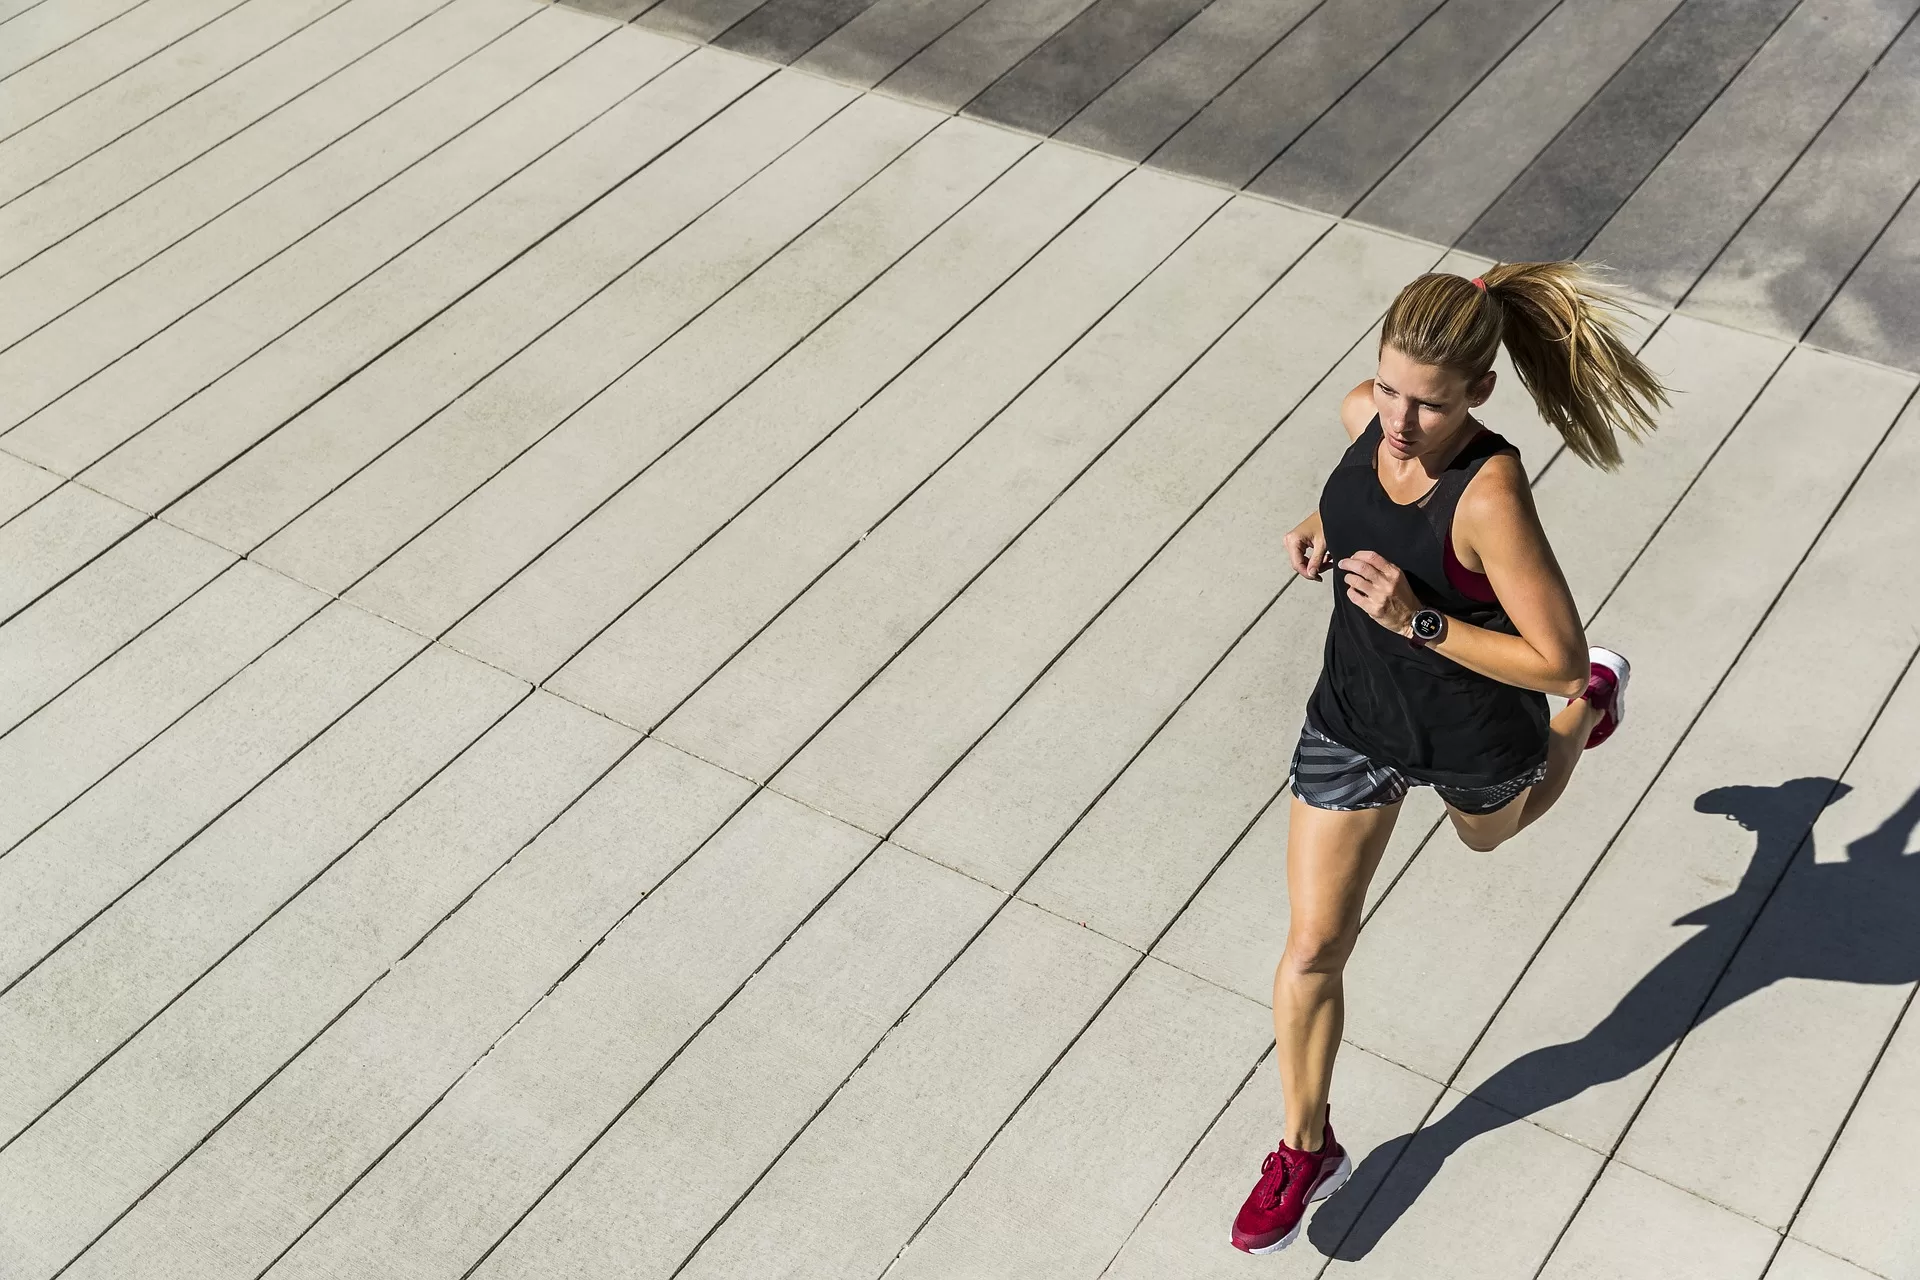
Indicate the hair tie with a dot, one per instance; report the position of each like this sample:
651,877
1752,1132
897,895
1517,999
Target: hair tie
1480,284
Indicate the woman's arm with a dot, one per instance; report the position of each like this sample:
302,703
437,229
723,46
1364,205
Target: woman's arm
1495,523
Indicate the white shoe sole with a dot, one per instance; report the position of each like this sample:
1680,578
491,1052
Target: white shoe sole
1622,672
1330,1181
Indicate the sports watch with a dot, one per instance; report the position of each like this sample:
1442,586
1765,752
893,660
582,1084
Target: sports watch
1427,626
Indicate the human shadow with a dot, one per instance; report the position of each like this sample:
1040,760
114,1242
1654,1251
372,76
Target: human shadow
1851,921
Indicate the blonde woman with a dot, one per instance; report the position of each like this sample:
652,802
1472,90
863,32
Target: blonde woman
1451,624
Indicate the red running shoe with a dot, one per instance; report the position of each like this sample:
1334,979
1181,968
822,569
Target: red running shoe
1289,1181
1606,691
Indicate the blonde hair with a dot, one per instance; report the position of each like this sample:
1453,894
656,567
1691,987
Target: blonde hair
1561,327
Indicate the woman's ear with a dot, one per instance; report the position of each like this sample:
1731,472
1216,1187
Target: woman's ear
1481,389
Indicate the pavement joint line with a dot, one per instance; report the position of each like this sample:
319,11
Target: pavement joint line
1444,116
1706,1000
148,119
302,160
461,132
1698,117
73,39
197,832
542,239
350,286
1638,301
1679,742
595,396
1356,82
690,321
1912,195
10,17
816,446
1787,172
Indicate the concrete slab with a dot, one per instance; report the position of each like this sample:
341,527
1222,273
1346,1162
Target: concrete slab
615,556
1490,1209
64,352
783,30
1442,185
1389,111
1174,83
912,564
169,458
196,351
55,26
876,41
348,88
1800,246
1378,1100
355,476
55,538
1875,314
758,1073
866,1172
518,514
69,72
1279,97
74,1173
130,168
22,484
185,786
454,1185
1677,221
69,631
978,50
127,700
1570,190
1798,1260
1635,1225
241,1199
88,993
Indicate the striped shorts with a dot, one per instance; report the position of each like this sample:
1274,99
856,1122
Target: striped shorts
1328,775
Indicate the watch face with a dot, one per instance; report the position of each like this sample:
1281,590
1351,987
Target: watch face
1426,624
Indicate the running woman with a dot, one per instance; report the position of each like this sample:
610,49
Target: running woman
1451,624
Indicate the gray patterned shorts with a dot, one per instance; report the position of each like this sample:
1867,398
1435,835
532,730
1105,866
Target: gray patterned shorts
1327,775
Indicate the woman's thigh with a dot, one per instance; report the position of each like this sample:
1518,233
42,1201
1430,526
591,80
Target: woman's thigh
1485,832
1331,857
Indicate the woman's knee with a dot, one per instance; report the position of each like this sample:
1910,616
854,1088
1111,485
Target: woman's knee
1316,952
1484,834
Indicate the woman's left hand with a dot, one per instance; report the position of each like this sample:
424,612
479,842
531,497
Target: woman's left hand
1381,590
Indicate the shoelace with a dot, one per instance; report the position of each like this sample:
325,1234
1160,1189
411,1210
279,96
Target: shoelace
1273,1179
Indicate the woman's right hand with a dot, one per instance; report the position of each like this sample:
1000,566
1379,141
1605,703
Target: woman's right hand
1307,548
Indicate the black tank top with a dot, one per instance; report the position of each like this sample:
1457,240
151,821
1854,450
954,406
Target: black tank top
1426,715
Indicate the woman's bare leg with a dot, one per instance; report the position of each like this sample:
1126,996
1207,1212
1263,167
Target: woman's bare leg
1566,742
1331,857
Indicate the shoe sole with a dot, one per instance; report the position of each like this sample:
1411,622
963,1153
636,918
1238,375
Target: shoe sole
1330,1181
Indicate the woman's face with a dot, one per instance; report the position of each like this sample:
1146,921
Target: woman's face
1422,406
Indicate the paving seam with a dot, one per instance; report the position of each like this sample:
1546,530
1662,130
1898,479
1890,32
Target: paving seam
1034,52
75,39
159,111
504,361
468,292
1785,173
250,789
1706,1001
56,585
1851,271
1427,132
642,358
342,137
1692,124
368,194
1375,66
1679,742
1219,93
10,17
350,287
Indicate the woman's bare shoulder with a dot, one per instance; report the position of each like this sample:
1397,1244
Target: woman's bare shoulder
1356,411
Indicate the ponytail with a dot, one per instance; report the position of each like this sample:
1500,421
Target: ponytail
1562,329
